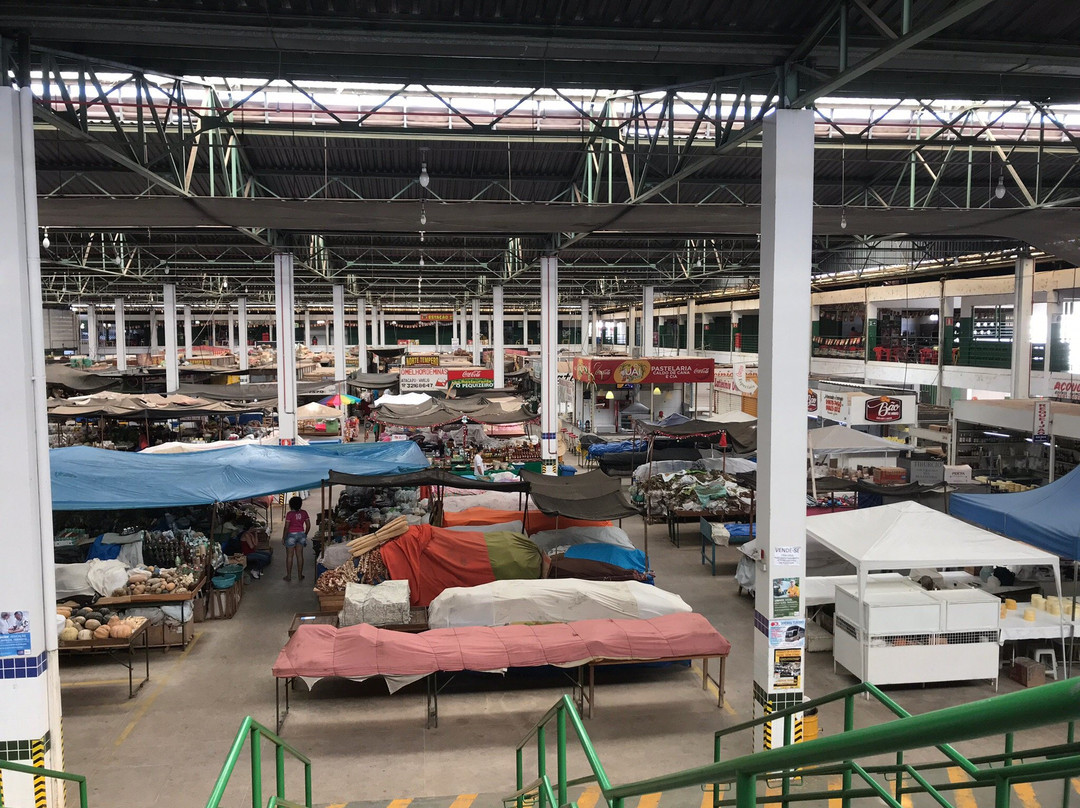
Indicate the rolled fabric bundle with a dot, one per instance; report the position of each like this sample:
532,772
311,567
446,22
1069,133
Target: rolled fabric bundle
1029,614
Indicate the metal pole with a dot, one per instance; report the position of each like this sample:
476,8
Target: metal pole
549,383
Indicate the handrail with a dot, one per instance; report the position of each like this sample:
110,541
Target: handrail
54,774
1052,703
253,732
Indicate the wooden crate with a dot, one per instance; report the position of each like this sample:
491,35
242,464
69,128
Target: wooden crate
332,602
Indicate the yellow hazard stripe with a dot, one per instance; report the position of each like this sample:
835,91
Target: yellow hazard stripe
1027,795
463,801
37,755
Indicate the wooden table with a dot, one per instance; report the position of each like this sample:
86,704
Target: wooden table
111,647
132,601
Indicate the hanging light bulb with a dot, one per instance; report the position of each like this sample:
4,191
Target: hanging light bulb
843,218
999,191
45,243
423,214
421,262
425,179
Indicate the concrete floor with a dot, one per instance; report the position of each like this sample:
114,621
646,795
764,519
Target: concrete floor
165,747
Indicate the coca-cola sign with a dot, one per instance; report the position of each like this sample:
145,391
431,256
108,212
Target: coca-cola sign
811,400
884,410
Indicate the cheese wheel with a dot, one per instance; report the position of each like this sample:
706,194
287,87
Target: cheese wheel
1010,604
1029,614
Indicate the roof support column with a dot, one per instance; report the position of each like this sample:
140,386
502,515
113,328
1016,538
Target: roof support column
155,346
189,337
549,364
382,326
339,336
787,183
361,334
585,326
498,347
121,335
476,332
242,328
1023,290
30,696
172,355
286,348
691,325
92,332
647,348
232,333
307,328
524,327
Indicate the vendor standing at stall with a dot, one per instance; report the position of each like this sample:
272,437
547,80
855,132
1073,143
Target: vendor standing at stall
479,468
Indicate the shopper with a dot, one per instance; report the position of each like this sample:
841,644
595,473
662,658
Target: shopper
479,469
294,535
257,560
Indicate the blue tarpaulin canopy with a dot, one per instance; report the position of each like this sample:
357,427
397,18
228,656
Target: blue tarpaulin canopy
85,478
1047,517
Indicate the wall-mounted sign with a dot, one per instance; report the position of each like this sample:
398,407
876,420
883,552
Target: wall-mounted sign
422,379
738,380
676,370
883,409
437,317
412,360
811,401
1040,431
471,378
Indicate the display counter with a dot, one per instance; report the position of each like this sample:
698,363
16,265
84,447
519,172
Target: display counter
115,648
901,633
163,635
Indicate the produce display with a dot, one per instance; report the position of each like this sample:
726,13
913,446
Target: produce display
158,581
169,548
87,624
710,491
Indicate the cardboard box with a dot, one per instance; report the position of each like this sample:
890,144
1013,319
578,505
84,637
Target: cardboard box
957,475
889,475
165,636
1028,672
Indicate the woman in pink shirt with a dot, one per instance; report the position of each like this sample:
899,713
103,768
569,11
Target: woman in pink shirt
294,534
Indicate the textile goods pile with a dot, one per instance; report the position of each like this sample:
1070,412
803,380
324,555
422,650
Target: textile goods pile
711,491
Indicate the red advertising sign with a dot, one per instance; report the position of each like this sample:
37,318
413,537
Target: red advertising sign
470,377
884,410
811,400
674,370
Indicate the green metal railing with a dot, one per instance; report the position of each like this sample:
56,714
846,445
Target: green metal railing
37,771
836,755
251,732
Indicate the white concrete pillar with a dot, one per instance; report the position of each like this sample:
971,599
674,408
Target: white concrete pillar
476,332
189,336
242,327
382,326
1021,348
361,334
525,328
585,341
92,334
172,354
549,361
498,346
30,727
232,333
631,330
691,324
597,332
307,328
454,329
787,183
647,348
121,334
1053,312
286,348
155,346
339,333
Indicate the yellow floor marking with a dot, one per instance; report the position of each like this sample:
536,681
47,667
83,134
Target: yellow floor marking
95,682
1076,785
400,803
463,801
589,797
706,798
161,683
905,800
337,805
1027,795
835,784
649,800
771,791
965,797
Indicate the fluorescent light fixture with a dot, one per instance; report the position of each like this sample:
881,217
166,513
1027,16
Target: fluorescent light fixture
997,434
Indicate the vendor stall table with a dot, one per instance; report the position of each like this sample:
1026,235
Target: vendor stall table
112,647
417,622
129,601
675,518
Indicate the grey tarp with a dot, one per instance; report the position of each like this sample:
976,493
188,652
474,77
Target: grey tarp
79,381
589,496
246,392
431,476
144,406
742,435
373,381
442,412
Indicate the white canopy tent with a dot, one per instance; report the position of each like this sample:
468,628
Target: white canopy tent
903,535
316,411
839,439
403,399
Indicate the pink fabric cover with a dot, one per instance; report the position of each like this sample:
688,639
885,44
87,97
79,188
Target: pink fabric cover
362,651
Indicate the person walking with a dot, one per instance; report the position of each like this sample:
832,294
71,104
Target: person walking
294,535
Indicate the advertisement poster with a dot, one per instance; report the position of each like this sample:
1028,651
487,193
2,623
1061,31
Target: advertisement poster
787,669
1040,430
471,378
421,379
787,555
413,360
644,371
785,597
14,633
788,633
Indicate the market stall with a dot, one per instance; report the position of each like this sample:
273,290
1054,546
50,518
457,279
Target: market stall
877,620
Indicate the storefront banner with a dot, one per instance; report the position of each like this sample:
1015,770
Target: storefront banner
834,406
1040,431
412,360
1067,391
866,410
437,317
470,378
738,380
674,370
812,402
422,379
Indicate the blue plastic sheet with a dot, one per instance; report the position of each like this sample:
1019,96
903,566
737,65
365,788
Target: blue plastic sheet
598,449
610,554
85,478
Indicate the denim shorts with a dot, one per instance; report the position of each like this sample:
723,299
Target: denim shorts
294,539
